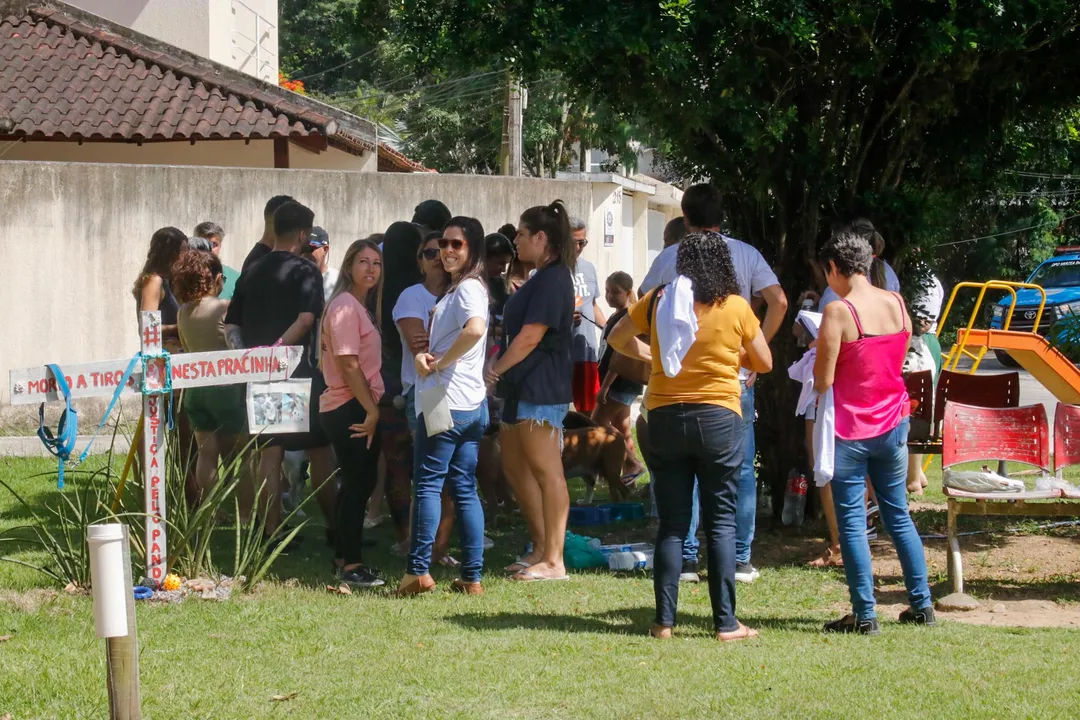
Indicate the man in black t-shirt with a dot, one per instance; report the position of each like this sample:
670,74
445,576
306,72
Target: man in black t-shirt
266,243
278,301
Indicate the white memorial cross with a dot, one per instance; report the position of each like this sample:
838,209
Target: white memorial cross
189,370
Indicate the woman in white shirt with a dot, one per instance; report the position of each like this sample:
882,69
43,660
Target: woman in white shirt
454,360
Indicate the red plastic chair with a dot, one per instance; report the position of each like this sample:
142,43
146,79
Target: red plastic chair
1006,434
1011,434
1066,441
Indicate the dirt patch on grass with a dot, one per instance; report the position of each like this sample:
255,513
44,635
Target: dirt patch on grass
1019,580
1019,613
29,602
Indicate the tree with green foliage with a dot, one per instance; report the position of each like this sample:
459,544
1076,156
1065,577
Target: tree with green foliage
909,112
450,114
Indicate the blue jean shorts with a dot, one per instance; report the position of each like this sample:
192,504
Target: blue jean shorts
544,414
625,398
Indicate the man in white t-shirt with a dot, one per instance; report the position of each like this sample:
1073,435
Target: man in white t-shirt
702,211
588,320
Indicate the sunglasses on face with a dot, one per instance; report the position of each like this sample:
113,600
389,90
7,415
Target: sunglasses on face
455,243
582,243
429,253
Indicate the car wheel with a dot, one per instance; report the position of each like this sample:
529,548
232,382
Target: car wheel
1006,359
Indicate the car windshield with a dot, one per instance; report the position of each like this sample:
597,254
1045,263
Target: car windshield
1059,274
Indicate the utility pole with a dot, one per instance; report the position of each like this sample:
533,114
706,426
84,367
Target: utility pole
514,121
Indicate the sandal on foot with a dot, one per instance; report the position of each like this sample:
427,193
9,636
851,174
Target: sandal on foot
530,576
515,567
629,480
740,633
415,586
828,559
660,632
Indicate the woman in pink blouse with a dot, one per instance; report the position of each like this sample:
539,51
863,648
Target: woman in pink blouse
350,355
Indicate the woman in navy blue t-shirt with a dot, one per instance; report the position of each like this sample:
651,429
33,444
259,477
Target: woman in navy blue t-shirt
534,378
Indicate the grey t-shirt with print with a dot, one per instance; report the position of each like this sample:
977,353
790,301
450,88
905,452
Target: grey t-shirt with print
586,343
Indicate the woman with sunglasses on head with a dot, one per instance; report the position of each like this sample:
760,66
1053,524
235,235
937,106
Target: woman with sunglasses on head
412,313
534,378
350,356
454,360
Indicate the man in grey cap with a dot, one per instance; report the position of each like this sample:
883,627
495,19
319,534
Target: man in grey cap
317,249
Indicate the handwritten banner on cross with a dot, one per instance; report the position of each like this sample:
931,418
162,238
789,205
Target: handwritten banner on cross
187,370
99,379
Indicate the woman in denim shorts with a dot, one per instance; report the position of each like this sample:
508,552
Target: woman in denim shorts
534,379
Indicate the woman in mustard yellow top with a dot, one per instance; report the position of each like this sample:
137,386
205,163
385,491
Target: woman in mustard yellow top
695,415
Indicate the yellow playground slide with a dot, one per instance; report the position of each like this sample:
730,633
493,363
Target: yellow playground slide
1032,351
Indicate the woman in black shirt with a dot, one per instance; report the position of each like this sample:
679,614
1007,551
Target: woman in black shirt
533,376
617,393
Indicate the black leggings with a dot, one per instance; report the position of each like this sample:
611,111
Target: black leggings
358,471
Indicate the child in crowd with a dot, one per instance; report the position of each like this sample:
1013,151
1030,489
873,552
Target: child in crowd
617,394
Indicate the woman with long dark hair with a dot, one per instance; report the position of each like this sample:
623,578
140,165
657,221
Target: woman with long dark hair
454,361
701,331
153,288
860,355
400,245
350,356
534,380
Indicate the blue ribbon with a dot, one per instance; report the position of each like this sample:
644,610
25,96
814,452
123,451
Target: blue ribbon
62,443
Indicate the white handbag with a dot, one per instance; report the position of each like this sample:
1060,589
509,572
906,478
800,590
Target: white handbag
436,409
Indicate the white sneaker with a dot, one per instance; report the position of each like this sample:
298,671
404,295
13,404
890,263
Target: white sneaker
488,543
746,573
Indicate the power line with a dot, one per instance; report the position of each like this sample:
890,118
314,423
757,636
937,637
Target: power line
1010,232
336,67
1045,176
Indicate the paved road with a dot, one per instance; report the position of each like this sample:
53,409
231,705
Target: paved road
1031,390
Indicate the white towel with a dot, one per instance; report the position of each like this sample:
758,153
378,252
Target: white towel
825,440
825,421
676,324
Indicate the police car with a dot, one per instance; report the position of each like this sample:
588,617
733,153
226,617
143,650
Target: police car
1059,276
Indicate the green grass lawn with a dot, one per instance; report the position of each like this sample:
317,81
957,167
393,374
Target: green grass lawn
562,650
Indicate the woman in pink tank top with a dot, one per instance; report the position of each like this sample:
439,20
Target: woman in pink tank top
860,353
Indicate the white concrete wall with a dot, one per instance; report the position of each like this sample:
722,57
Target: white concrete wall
183,23
225,31
74,237
217,153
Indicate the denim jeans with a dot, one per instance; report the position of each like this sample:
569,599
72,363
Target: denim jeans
884,459
688,441
448,457
746,510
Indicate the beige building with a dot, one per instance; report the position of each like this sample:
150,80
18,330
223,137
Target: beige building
240,34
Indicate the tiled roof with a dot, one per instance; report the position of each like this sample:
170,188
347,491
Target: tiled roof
68,75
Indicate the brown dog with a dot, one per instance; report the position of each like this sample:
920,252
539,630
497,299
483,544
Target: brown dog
589,451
